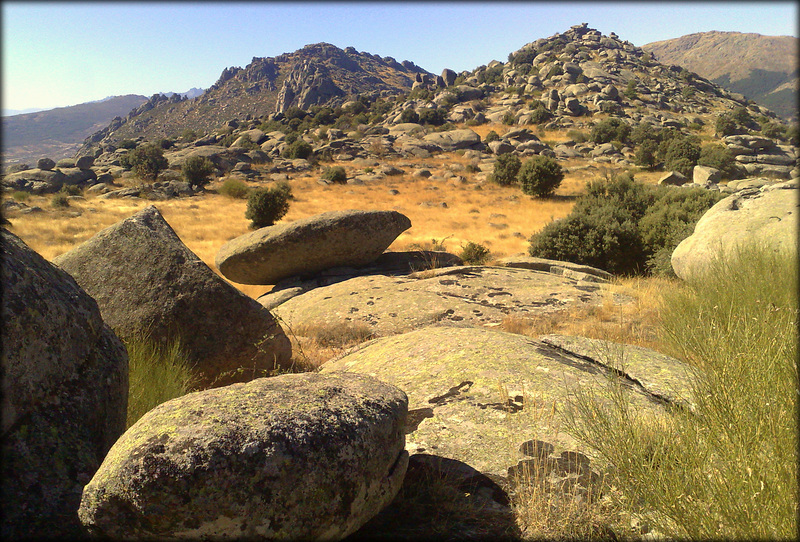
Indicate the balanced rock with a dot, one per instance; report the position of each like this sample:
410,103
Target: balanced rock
64,395
85,162
767,215
293,457
45,164
475,395
304,247
147,282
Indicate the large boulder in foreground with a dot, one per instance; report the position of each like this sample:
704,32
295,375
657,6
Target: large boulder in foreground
463,296
64,395
476,395
768,215
293,457
307,246
148,283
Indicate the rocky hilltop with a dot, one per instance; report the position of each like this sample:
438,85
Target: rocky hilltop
316,74
762,68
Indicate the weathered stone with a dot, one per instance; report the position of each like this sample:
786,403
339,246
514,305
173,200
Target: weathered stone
449,77
454,139
673,178
297,456
704,175
76,176
500,147
475,395
304,247
45,164
65,162
467,296
147,282
64,394
568,269
769,215
85,162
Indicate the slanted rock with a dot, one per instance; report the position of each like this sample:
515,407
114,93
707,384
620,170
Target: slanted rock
464,296
568,269
64,395
297,457
307,246
705,175
475,395
673,178
767,215
147,282
454,140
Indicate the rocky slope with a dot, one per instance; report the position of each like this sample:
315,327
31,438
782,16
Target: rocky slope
762,68
315,74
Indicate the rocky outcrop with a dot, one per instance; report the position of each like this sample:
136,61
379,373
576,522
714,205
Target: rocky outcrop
307,246
759,155
475,395
768,215
148,283
463,296
64,395
454,140
298,457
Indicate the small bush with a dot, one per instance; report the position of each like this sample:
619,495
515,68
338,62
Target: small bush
266,206
127,144
540,176
197,171
434,117
611,129
506,168
491,136
234,188
773,130
59,200
147,161
474,253
409,115
718,156
71,190
509,118
189,135
646,154
297,149
682,154
335,174
725,125
577,136
19,195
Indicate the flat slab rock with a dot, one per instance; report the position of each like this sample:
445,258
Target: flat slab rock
477,395
293,457
307,246
463,295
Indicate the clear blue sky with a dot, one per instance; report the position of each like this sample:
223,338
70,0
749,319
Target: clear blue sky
65,53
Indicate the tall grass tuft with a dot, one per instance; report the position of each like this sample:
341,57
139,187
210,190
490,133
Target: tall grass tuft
728,468
157,373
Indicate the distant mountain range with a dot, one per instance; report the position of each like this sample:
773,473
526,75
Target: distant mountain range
762,68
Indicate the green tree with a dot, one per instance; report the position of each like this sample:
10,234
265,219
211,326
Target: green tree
540,176
265,206
197,170
506,168
147,161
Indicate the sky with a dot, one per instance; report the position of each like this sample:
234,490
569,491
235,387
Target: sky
56,54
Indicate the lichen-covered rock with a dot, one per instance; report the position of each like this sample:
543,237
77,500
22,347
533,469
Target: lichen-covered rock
307,246
297,457
64,394
475,395
769,215
147,282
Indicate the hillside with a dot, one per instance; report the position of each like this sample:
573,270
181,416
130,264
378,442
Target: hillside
58,133
316,74
762,68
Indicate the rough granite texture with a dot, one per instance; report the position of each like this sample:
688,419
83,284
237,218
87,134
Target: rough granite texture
475,395
65,394
147,282
307,246
298,457
769,215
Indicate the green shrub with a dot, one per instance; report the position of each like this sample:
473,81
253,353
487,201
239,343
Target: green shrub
474,253
509,118
540,115
491,136
59,200
234,188
197,171
646,154
726,468
773,130
164,143
630,90
682,154
577,136
725,125
434,117
642,132
409,115
228,140
20,195
147,161
506,168
71,190
335,174
156,374
540,176
718,156
189,135
127,144
297,149
265,206
611,129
